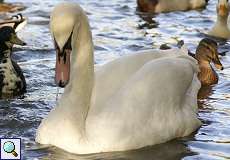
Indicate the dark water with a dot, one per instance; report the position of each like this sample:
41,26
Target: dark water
117,30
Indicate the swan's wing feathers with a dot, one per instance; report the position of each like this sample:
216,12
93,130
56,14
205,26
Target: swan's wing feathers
191,61
156,96
163,82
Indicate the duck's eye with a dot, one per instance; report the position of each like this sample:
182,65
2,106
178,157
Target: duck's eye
211,51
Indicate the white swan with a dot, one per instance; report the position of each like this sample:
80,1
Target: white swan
138,100
220,28
158,6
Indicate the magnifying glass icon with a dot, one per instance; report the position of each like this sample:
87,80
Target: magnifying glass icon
9,147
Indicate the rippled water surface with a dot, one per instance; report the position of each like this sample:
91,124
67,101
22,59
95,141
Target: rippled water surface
117,30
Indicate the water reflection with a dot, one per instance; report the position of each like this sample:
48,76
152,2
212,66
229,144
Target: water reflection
173,150
204,92
148,21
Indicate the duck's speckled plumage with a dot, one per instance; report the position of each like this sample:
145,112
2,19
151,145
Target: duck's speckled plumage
12,81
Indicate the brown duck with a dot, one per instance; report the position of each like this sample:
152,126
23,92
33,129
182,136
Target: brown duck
206,53
158,6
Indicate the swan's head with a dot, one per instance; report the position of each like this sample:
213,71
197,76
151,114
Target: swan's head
207,51
64,20
222,8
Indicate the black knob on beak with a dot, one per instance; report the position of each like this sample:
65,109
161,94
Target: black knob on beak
61,84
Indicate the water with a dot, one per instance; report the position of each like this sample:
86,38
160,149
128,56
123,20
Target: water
117,30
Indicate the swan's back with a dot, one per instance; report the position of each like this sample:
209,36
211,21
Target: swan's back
152,105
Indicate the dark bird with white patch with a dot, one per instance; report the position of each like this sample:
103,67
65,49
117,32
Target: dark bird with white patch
16,21
12,81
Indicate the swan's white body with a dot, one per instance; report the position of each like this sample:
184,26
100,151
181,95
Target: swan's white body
221,28
138,100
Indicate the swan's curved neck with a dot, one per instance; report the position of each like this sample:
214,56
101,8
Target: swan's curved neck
77,94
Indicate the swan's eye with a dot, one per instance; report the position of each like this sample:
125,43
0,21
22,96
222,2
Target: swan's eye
68,43
66,49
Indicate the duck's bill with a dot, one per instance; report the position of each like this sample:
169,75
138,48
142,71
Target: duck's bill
62,69
16,40
218,64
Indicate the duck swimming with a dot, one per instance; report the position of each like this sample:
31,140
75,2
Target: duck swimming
220,28
138,100
12,81
158,6
205,54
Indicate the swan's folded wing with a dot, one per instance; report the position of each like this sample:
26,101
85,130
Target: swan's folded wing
114,74
157,103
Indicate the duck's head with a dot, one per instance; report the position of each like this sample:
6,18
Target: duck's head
223,8
64,25
207,52
8,38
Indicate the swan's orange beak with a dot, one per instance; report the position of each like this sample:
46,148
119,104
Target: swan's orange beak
223,10
62,69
